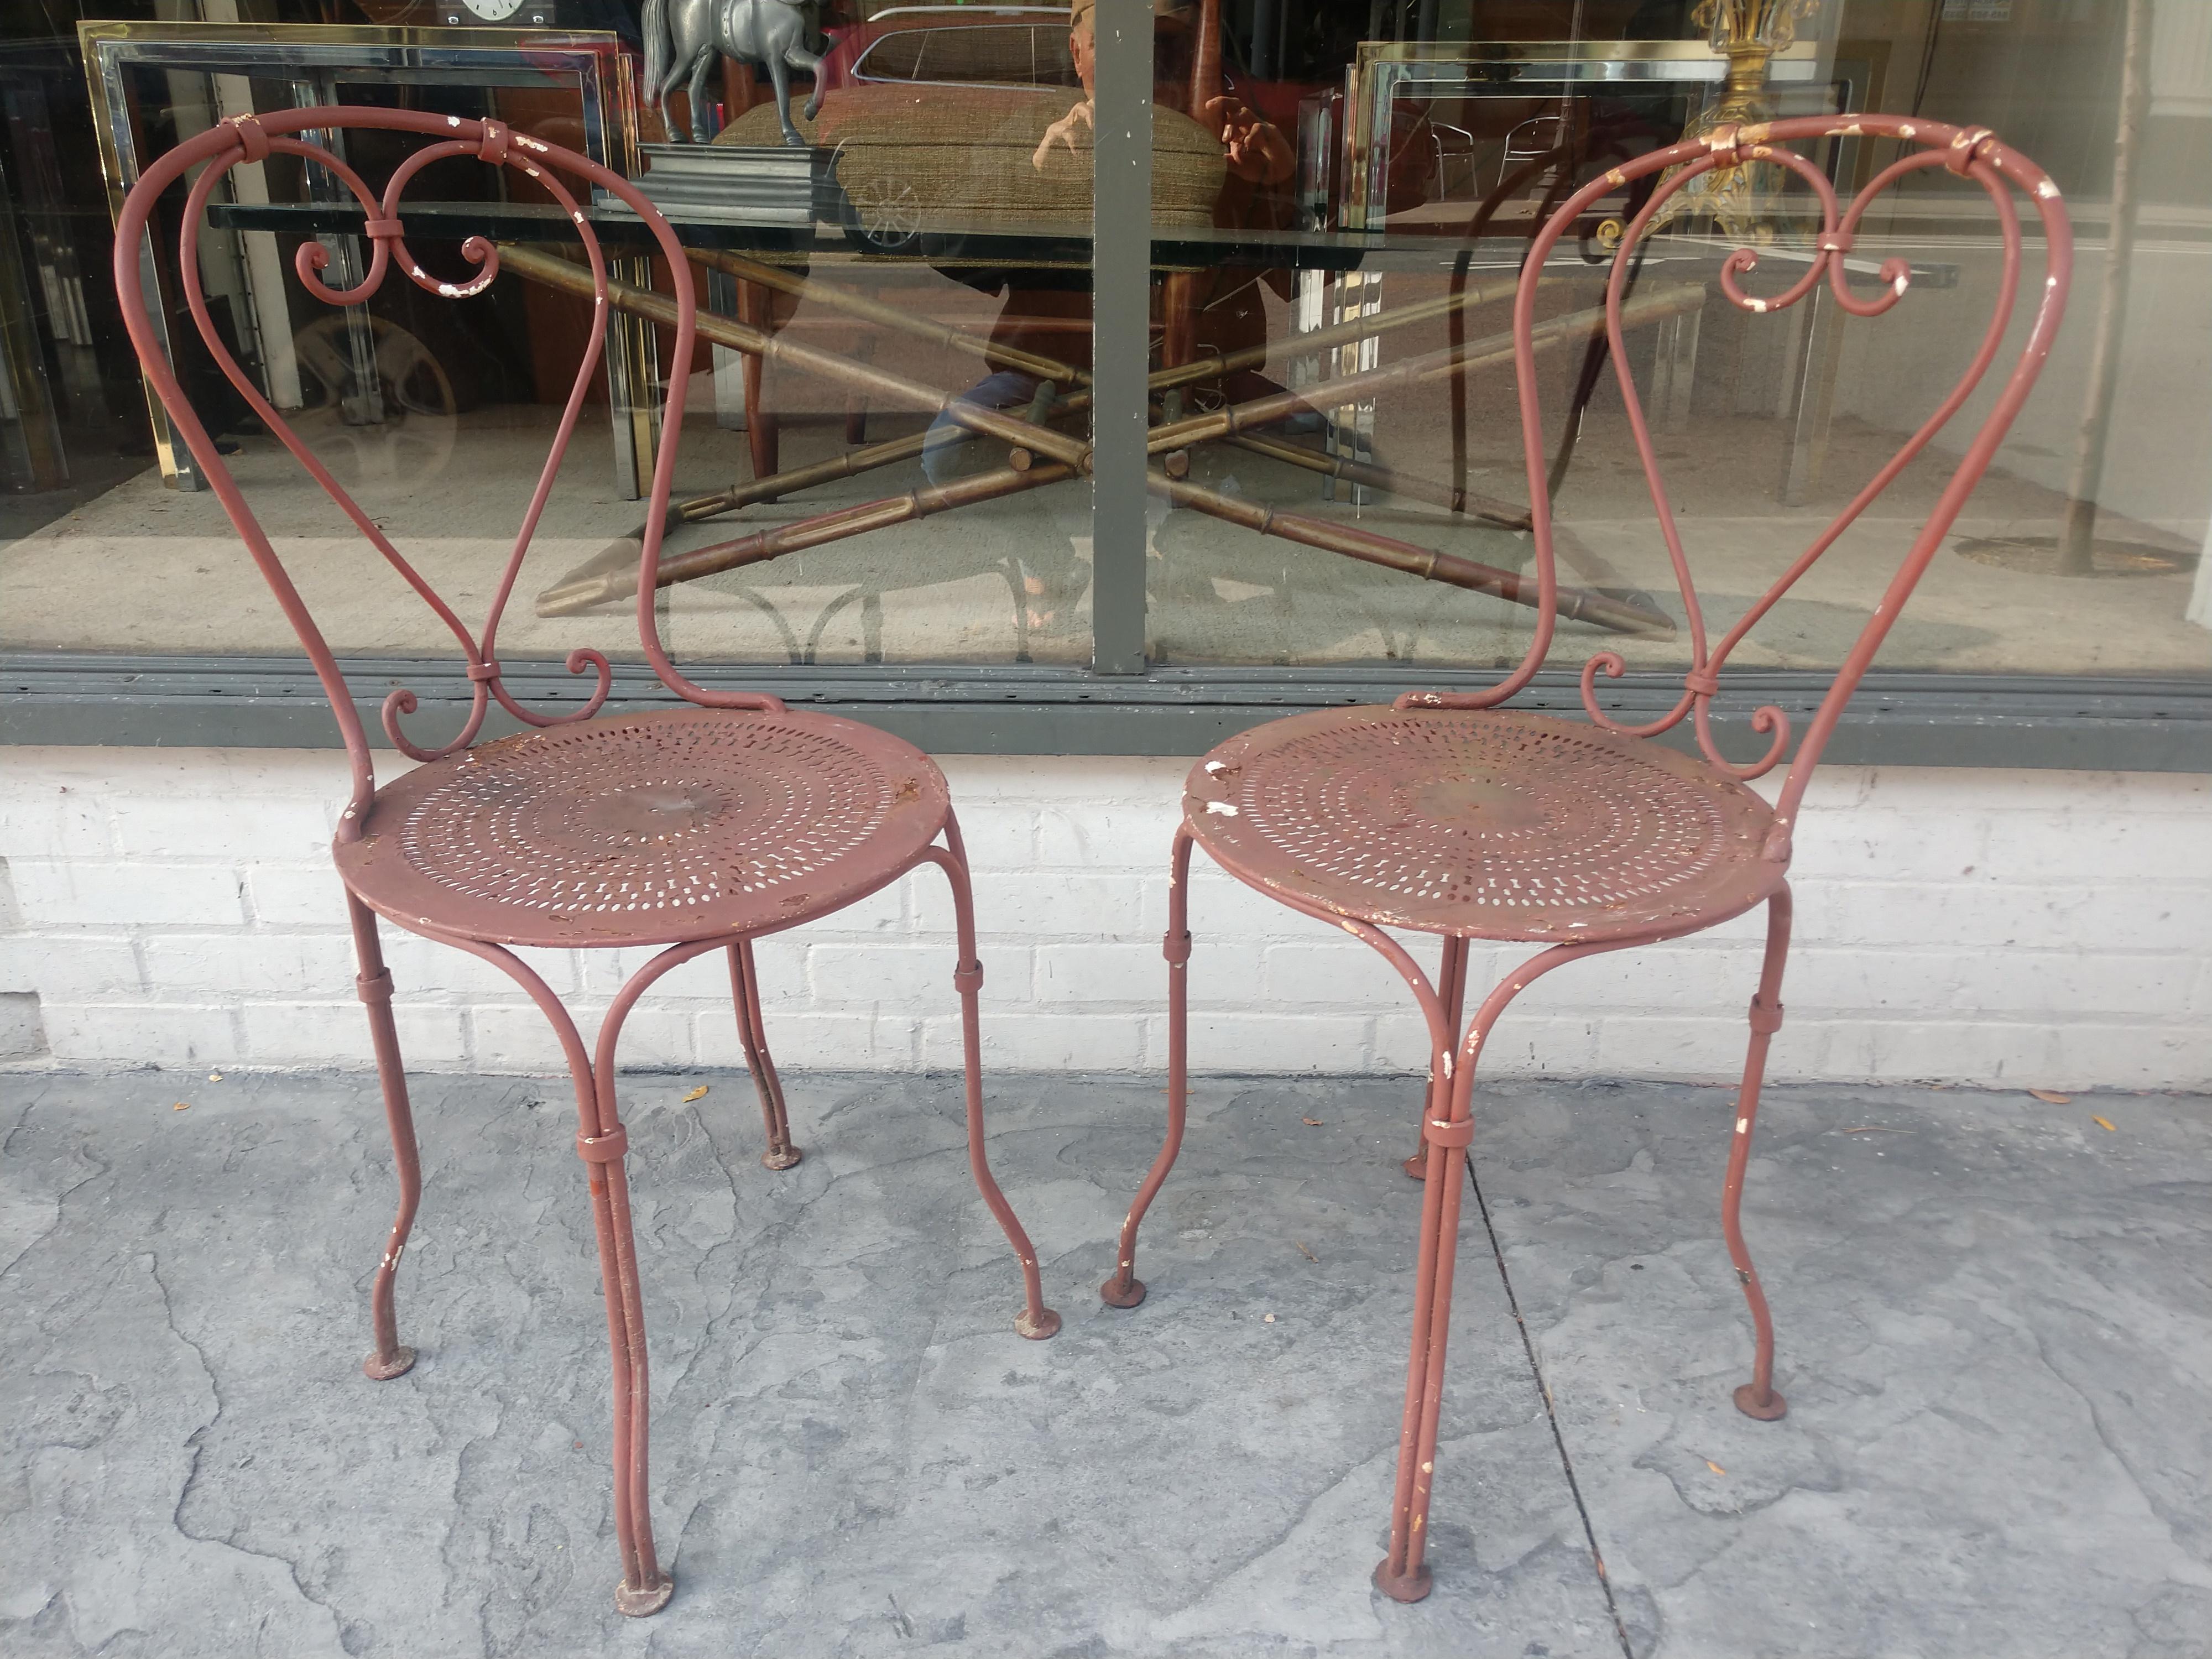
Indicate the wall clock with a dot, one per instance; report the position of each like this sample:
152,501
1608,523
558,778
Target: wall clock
528,14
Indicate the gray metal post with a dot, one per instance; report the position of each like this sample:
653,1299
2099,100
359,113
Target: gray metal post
2077,531
1120,278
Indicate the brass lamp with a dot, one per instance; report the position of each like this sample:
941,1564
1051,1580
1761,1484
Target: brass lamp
1747,32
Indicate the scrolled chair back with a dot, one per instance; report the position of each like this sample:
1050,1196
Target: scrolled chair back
1973,152
253,138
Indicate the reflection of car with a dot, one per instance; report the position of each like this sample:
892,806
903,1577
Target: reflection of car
935,114
958,45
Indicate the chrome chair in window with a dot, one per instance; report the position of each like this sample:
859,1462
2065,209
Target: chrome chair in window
690,829
1450,814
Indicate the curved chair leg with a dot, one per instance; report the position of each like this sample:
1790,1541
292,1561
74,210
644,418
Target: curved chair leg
374,985
602,1143
1036,1321
1451,986
1402,1575
645,1589
1757,1398
1123,1289
752,1031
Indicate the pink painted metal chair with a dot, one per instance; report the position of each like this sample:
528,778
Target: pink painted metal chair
696,830
1447,814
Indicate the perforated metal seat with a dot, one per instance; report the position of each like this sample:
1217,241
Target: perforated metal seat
647,830
1481,823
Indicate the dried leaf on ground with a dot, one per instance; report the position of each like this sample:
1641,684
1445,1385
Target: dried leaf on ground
2105,1123
1267,1319
699,1093
1714,1466
2052,1097
214,1077
1310,1122
1306,1253
182,1106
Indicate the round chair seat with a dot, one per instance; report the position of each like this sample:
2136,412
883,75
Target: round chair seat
1481,823
647,829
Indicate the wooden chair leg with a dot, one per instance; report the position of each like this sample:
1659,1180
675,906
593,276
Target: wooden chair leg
856,400
1122,1288
390,1358
755,310
1756,1398
752,1031
1179,318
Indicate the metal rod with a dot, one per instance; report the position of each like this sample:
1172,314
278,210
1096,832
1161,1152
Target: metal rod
1349,332
850,465
1072,455
1432,366
1365,545
565,274
2077,529
890,317
582,591
1208,368
1504,514
557,272
1490,509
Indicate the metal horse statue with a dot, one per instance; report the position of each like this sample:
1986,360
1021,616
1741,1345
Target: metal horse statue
682,48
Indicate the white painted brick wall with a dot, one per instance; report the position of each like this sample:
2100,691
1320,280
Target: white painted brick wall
2048,929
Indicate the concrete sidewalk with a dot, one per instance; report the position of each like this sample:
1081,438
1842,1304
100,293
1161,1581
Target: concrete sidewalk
1994,1318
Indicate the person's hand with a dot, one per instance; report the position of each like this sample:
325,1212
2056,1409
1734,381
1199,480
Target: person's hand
1256,150
1062,131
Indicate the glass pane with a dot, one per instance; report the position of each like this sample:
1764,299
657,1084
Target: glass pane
72,421
916,246
1383,168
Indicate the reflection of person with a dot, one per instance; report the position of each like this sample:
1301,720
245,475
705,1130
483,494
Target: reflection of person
1257,153
1228,311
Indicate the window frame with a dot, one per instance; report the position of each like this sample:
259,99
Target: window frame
1121,704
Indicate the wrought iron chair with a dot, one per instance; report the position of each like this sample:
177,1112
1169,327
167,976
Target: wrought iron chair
1447,814
694,828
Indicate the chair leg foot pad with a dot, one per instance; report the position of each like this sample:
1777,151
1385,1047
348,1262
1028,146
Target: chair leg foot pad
1748,1402
383,1370
1416,1166
1044,1326
1121,1292
1403,1586
785,1158
644,1603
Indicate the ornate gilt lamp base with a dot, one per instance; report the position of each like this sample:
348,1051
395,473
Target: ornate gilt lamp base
1748,32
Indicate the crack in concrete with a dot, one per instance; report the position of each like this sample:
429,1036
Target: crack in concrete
2105,1438
1267,1547
195,1443
60,1202
1551,1416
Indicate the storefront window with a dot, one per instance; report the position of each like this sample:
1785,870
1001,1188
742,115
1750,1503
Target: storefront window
1342,196
1404,158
